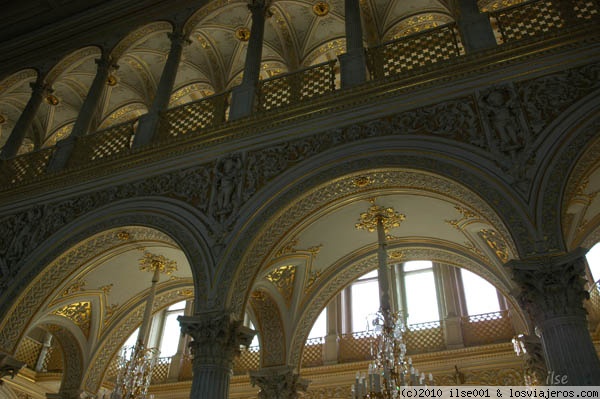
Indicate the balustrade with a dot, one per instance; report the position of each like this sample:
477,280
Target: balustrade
295,87
541,17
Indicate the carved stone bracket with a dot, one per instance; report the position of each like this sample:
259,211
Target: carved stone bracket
9,366
217,337
552,286
278,383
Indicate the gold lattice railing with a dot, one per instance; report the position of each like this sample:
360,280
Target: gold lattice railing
160,373
424,337
487,328
25,167
193,117
292,88
541,17
312,354
356,346
249,359
105,143
412,52
29,351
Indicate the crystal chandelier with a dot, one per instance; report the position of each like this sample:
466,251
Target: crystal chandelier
136,363
390,370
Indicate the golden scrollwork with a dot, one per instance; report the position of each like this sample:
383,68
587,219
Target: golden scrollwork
151,262
77,286
283,278
123,235
495,242
79,313
388,216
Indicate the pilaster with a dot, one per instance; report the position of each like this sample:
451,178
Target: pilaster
278,383
552,292
217,337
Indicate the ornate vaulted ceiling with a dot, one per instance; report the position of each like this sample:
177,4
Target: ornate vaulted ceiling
298,33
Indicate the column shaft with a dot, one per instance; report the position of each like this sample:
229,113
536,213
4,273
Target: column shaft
552,292
217,339
149,123
39,89
353,62
475,28
243,96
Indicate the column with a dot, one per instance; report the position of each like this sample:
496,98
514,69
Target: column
449,292
9,366
552,293
475,28
278,383
39,367
87,114
331,347
242,99
149,123
40,89
216,341
353,62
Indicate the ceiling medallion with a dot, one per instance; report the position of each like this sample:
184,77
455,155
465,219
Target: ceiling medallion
111,80
321,9
52,99
242,34
362,181
152,262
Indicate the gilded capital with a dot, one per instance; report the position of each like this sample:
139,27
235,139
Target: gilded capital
552,286
217,337
278,383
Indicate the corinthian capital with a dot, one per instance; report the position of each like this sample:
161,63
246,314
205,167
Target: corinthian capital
217,336
278,383
552,286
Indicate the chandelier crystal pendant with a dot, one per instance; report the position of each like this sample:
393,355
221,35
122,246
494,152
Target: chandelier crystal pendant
390,370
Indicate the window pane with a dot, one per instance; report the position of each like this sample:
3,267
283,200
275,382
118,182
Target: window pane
417,265
177,306
319,329
480,295
365,301
171,333
371,274
593,259
132,339
421,298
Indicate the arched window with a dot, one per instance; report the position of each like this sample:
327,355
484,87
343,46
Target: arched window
364,300
319,329
171,330
480,296
421,295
